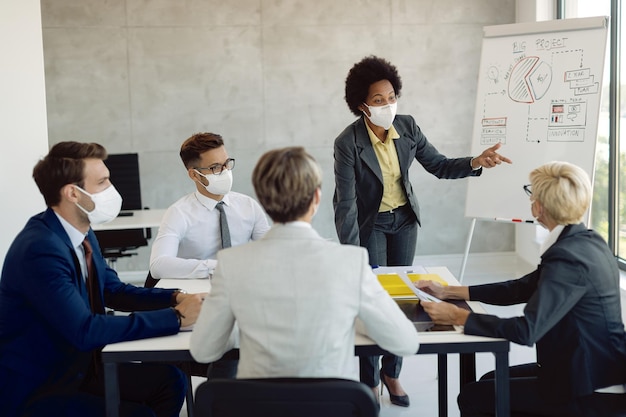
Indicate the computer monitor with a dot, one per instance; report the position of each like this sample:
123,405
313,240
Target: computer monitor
124,170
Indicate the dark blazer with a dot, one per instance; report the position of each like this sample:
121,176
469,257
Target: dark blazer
573,314
47,330
359,179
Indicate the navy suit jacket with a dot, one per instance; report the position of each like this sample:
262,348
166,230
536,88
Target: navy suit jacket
359,179
47,330
573,314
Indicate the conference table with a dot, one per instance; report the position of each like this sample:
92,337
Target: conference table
175,348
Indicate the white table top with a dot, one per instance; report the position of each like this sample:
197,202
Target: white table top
190,285
140,219
180,341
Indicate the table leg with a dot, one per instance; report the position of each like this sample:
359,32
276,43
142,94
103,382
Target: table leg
186,367
111,390
467,368
503,403
442,370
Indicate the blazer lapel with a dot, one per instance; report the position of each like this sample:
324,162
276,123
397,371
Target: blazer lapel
403,149
55,227
365,148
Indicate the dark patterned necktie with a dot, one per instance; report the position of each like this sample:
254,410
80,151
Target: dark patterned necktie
224,231
93,289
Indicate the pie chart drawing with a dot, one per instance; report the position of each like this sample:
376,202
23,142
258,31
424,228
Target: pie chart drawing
530,80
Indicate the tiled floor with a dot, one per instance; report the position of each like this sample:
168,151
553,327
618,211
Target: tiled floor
419,373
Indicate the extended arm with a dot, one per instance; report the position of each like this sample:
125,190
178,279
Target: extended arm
213,332
164,260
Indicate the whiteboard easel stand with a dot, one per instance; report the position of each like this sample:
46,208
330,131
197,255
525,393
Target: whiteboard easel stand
467,248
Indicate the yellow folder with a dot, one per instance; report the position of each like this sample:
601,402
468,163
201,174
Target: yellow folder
427,277
396,287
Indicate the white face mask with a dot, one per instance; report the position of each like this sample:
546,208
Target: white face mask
532,209
107,205
382,115
218,184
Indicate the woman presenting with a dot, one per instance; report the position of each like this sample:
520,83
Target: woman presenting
374,203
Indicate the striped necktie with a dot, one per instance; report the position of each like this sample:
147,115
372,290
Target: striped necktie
93,289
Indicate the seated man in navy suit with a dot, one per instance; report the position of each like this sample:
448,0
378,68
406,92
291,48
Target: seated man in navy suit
54,288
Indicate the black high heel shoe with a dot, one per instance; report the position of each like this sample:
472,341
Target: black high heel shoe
399,400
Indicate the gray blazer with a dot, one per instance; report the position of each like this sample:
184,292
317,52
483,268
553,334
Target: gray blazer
359,179
295,297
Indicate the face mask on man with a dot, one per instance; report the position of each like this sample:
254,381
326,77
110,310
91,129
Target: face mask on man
107,205
219,184
382,115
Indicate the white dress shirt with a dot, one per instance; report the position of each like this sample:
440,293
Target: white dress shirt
189,236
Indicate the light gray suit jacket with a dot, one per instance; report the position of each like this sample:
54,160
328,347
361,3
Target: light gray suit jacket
295,298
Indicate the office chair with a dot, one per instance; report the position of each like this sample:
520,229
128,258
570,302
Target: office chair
124,174
151,282
284,397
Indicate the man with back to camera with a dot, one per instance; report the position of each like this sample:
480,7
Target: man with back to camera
54,288
190,234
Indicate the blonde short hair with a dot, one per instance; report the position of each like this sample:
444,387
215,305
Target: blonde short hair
285,181
563,189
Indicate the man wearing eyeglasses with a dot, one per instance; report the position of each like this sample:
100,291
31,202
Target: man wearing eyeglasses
190,235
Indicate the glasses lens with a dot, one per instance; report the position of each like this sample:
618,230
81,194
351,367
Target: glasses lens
228,165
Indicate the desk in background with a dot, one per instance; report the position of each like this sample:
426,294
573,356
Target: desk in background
126,233
176,349
140,219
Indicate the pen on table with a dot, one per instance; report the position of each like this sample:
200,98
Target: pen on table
501,219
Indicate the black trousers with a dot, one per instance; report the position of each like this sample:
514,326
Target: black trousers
477,399
146,390
392,243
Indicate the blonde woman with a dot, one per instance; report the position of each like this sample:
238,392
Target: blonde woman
573,313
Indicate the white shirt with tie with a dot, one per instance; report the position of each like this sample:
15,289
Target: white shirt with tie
188,240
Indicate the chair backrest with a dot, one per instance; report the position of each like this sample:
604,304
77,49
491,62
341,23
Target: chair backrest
151,282
124,168
284,397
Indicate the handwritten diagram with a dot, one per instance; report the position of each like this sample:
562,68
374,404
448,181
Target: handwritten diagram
539,87
545,88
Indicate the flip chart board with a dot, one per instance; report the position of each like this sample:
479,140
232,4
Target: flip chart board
538,94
